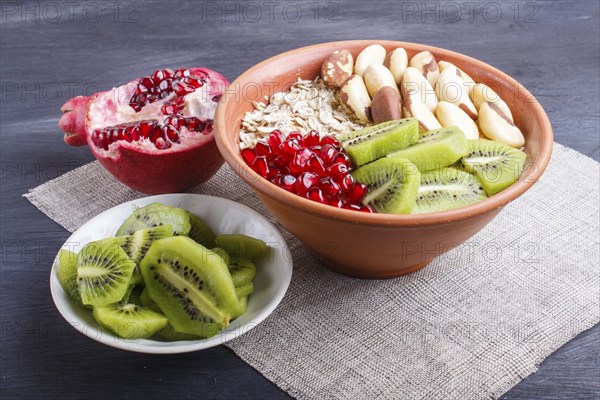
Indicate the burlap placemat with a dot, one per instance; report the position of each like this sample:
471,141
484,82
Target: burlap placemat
469,326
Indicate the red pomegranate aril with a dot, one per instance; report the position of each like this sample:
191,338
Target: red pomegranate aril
263,149
195,82
156,133
287,182
171,133
275,139
347,183
281,161
315,164
181,89
327,139
305,181
315,194
327,153
300,160
162,144
312,138
289,147
294,135
341,158
261,166
180,73
335,202
329,187
337,171
357,192
248,155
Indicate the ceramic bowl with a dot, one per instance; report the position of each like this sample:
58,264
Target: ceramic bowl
273,271
376,245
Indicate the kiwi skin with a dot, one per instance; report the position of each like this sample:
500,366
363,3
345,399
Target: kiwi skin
154,215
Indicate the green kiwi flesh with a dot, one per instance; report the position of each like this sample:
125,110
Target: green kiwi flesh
446,189
223,254
244,290
200,231
190,284
373,142
241,310
496,165
137,244
392,184
66,272
242,246
436,149
168,333
242,271
103,272
129,321
154,215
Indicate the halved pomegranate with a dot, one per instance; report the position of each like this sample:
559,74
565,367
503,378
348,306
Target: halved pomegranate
155,133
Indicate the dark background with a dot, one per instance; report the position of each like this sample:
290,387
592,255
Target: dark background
51,51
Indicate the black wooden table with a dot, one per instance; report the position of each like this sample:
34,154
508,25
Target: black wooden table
51,51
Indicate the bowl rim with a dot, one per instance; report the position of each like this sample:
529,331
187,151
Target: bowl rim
147,346
233,158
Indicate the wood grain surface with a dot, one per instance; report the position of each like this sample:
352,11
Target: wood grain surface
51,51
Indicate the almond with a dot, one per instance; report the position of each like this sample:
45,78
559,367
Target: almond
386,105
337,68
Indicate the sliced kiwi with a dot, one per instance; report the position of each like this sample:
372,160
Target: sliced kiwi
147,301
496,165
137,244
223,254
103,272
435,149
169,334
154,215
241,310
66,273
244,290
190,284
445,189
373,142
392,183
242,246
129,321
242,271
201,232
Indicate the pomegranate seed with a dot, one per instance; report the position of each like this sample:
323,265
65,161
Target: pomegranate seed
337,171
261,166
145,84
287,182
171,133
195,82
353,206
181,73
312,138
294,135
164,94
164,86
300,160
156,133
329,187
327,153
305,181
315,194
168,108
248,155
281,161
181,89
162,144
316,149
146,129
328,139
357,192
141,99
367,209
275,139
289,147
341,158
263,149
347,183
335,202
316,165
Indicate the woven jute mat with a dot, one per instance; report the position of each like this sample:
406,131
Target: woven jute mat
469,326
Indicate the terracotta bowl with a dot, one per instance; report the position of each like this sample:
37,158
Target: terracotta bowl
376,245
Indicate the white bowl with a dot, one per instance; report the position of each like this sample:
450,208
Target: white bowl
273,272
